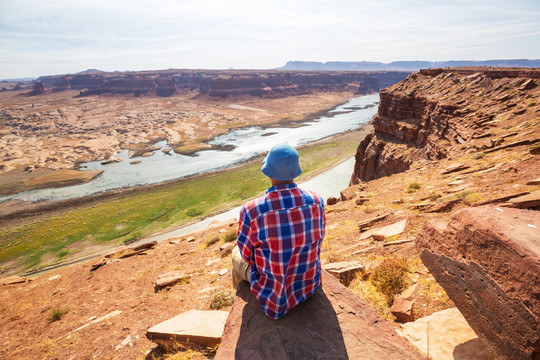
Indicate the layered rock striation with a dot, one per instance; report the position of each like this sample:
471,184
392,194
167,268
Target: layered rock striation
224,83
436,112
488,261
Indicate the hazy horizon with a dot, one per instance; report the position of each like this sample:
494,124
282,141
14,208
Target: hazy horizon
51,37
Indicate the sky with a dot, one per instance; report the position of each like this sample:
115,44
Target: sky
47,37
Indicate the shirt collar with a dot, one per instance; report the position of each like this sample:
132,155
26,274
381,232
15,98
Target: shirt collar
282,187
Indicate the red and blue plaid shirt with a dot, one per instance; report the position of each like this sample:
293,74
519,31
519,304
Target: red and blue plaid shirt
280,235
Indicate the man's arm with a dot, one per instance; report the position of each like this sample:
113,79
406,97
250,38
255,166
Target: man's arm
244,243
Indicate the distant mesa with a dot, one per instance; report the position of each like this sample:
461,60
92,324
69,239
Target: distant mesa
90,71
213,83
402,65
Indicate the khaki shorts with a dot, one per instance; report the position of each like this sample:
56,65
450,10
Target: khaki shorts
241,269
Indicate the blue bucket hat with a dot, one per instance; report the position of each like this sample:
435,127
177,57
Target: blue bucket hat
281,163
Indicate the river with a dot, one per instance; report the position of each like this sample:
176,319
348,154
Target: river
327,184
242,144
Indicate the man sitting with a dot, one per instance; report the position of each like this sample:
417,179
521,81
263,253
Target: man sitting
279,238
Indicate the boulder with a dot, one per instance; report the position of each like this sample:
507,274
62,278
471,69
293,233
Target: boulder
402,307
332,324
445,335
350,192
488,261
344,271
192,328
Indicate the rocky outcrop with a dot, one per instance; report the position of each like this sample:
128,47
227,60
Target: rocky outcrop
488,261
438,111
332,324
224,83
38,89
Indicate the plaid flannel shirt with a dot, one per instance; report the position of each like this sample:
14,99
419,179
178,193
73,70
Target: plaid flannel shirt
280,235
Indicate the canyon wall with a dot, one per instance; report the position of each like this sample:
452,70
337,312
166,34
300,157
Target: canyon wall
223,83
437,112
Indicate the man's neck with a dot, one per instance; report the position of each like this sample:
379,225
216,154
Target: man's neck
281,182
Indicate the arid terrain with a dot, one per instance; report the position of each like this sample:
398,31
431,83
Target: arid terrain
57,122
443,140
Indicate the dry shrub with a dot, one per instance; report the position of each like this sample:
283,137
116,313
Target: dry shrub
222,298
414,186
390,277
368,292
57,314
212,240
230,235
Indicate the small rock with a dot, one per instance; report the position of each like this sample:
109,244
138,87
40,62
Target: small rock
223,272
361,200
55,277
457,182
332,200
168,280
190,239
222,231
126,341
534,182
226,248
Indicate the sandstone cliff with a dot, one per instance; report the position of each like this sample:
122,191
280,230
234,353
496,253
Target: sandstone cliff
439,112
224,83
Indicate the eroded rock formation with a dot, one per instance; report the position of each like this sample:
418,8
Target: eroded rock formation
438,111
224,83
488,261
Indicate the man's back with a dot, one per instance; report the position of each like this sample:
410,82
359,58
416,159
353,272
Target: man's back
281,234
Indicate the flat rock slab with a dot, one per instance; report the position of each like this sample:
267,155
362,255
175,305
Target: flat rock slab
344,271
332,324
449,335
170,279
10,280
192,328
454,167
534,182
389,231
488,261
531,200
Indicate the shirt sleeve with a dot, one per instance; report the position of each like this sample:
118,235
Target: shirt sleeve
244,242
